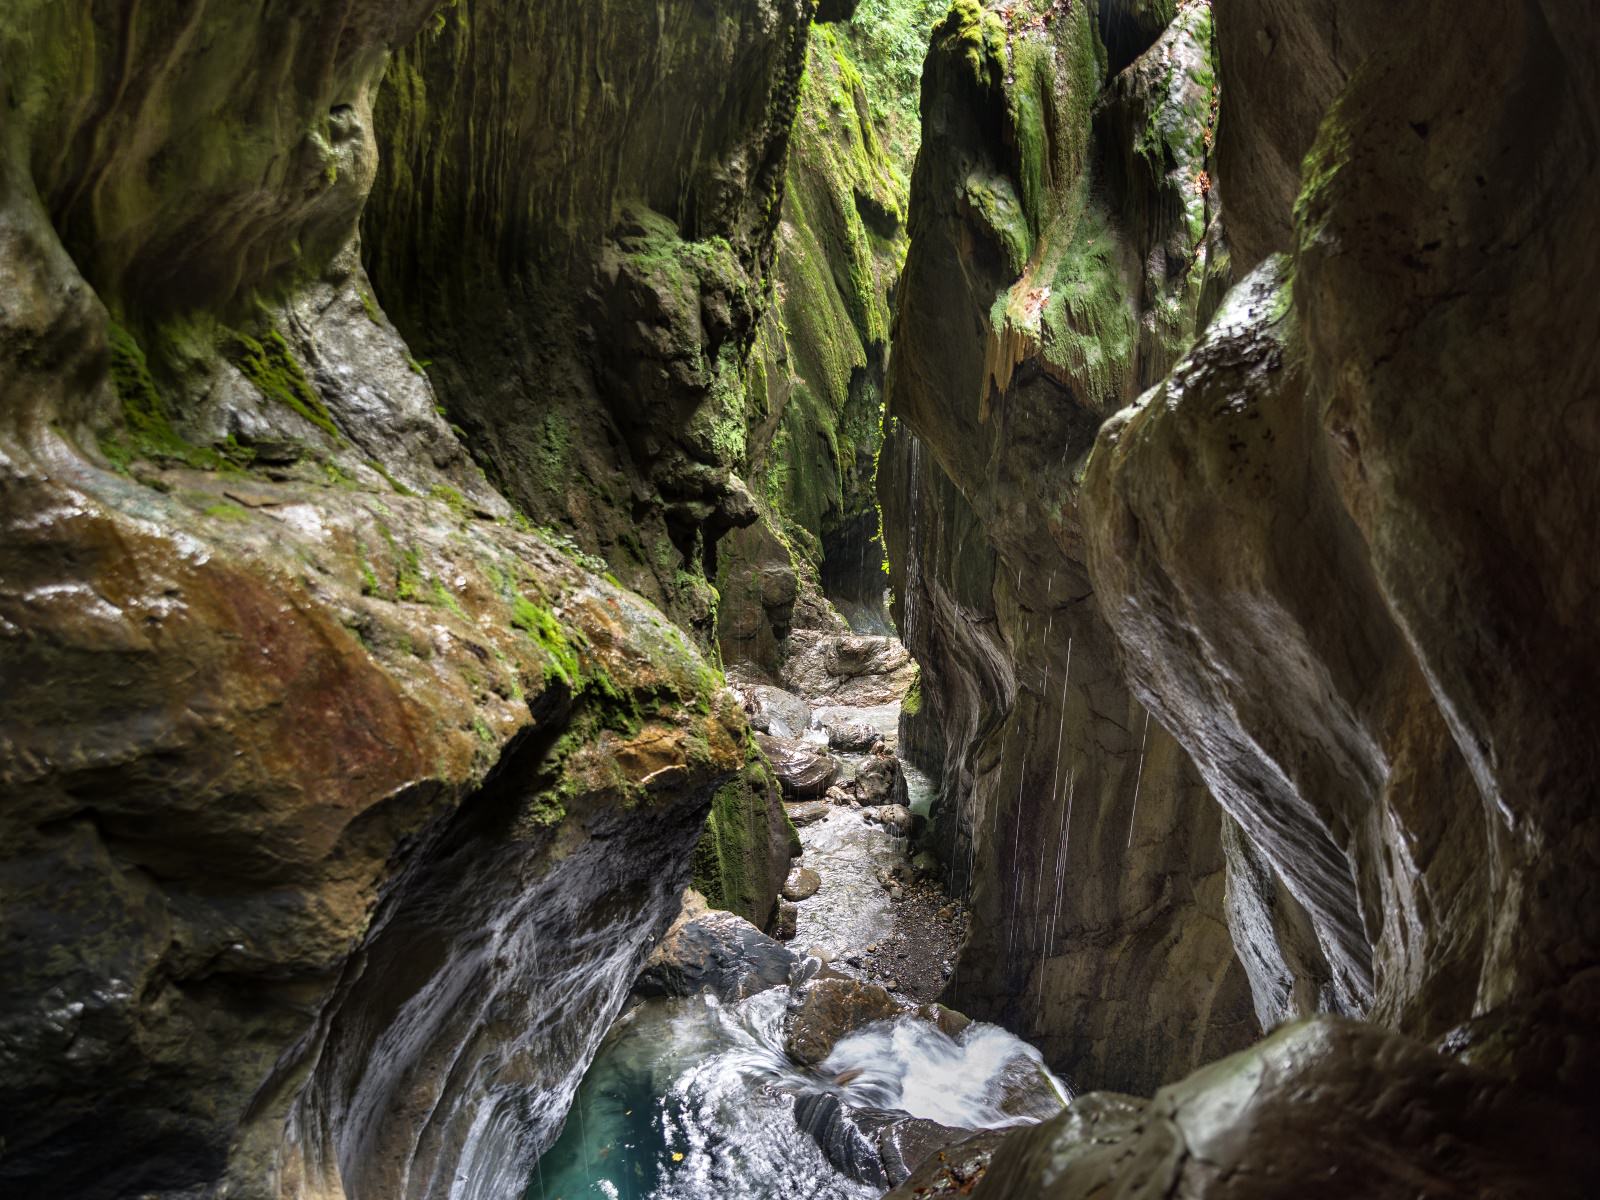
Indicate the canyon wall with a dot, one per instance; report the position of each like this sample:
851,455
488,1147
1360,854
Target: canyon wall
1343,548
1063,251
341,802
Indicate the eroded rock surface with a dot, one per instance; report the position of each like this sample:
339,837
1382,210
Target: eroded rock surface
1327,1108
321,770
1061,254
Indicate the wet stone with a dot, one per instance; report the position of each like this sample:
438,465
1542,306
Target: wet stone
802,884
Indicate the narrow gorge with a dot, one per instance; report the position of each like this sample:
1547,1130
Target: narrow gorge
799,599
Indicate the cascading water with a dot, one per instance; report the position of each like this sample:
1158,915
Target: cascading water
695,1100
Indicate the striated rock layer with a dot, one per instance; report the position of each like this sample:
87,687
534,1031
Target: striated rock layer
1061,251
1343,547
339,806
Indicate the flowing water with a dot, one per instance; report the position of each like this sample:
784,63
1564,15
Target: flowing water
694,1100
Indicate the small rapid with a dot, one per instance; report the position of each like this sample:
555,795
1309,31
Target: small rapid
691,1099
698,1096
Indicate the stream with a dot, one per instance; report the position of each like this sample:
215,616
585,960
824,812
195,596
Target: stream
694,1099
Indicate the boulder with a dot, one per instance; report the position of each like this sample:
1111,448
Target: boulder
708,950
802,770
802,884
783,925
828,1009
807,812
876,779
852,736
777,712
848,669
896,818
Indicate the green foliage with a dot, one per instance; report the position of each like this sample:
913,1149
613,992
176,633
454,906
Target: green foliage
888,41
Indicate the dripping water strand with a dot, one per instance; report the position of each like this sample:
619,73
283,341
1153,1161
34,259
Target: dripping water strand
1138,778
1063,833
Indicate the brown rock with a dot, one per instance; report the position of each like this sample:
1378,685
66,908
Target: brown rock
802,884
802,770
829,1009
808,811
783,925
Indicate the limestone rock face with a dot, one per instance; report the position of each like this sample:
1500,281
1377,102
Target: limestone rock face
1342,570
585,282
1312,723
337,806
1316,1110
1060,256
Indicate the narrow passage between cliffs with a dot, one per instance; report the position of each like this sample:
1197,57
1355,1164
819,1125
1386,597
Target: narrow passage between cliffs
818,1065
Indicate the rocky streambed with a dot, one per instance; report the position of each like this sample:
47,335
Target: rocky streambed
817,1065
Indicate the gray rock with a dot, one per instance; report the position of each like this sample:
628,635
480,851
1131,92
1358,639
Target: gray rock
802,884
802,770
876,778
777,712
852,735
807,812
708,950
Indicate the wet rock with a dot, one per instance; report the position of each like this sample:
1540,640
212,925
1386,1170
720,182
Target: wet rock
802,884
783,925
840,795
807,812
1027,1092
876,779
925,863
829,1009
850,1148
707,950
905,1144
777,712
896,818
949,1021
952,1172
1339,1108
852,735
802,769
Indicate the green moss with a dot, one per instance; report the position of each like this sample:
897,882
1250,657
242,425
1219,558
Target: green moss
454,500
541,625
732,861
271,366
227,512
912,705
399,488
410,583
481,728
443,597
371,306
147,427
